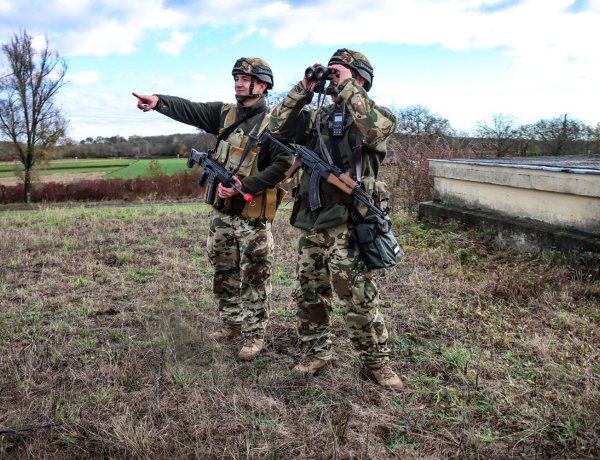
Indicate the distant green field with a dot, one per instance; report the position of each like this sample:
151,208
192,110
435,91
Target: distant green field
114,169
75,166
142,168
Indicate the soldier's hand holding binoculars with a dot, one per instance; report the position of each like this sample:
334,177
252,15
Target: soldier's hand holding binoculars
310,76
339,71
319,74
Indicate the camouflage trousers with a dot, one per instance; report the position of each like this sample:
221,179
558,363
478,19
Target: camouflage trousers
241,253
329,262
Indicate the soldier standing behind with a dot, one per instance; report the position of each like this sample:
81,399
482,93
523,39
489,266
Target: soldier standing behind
240,242
351,133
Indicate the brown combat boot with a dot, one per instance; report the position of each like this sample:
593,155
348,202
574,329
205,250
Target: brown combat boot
227,332
309,366
385,376
252,348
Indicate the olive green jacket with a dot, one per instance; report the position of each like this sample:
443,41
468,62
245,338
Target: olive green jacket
370,122
273,161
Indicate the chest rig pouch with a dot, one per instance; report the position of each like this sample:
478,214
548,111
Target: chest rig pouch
230,151
239,152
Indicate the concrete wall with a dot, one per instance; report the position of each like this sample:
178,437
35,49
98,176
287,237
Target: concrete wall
555,195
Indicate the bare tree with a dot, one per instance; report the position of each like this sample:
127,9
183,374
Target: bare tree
419,121
560,136
29,116
594,139
502,133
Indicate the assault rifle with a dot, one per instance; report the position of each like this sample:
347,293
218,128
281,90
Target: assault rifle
213,173
319,169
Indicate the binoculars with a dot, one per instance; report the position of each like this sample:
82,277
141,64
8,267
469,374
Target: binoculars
319,73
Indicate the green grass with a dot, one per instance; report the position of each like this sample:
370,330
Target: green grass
114,169
104,322
66,167
141,168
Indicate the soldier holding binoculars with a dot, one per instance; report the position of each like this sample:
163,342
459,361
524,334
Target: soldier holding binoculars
351,133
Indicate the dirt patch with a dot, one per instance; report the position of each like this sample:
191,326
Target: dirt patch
63,178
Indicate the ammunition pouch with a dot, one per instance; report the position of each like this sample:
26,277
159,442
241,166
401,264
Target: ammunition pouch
264,205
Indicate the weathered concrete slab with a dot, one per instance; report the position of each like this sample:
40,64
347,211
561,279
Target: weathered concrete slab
559,195
523,234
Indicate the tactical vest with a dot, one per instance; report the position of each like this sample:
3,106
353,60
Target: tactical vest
229,154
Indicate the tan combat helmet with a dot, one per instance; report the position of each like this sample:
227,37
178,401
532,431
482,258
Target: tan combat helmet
256,67
356,61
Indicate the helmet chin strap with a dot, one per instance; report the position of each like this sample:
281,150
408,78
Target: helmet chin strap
244,97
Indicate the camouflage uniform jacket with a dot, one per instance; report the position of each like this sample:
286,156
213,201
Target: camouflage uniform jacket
272,161
364,118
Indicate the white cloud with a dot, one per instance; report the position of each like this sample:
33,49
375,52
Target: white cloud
199,77
94,28
244,34
176,42
554,64
84,78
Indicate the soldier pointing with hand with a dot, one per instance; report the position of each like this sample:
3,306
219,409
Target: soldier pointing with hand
240,242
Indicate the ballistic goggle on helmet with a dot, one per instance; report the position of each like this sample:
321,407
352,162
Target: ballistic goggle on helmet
256,67
356,61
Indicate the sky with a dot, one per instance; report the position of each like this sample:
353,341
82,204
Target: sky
464,60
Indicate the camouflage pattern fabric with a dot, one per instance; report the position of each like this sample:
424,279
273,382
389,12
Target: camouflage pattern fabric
356,61
346,56
254,66
374,122
241,253
323,256
289,108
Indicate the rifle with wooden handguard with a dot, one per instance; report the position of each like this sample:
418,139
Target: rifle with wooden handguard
319,169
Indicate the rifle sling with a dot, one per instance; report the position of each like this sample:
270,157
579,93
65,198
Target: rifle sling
336,156
252,138
227,131
358,166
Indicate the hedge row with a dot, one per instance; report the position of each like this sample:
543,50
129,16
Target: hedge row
180,185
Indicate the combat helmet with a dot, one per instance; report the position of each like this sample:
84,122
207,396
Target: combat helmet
256,67
357,62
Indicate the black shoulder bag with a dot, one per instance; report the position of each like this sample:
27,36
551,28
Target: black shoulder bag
373,233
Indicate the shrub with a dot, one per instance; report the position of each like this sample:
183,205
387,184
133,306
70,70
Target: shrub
406,168
156,187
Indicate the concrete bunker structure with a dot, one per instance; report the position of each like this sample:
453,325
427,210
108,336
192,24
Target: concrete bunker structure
526,203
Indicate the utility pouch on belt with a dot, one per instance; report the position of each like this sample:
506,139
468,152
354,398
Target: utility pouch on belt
264,205
373,234
378,245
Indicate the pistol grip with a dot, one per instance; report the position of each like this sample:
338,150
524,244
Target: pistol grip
293,169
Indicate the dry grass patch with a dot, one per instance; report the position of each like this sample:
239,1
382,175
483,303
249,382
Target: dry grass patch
105,313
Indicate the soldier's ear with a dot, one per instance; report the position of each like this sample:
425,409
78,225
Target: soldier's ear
360,80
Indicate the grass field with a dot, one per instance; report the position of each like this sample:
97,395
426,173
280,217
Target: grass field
142,168
114,169
104,317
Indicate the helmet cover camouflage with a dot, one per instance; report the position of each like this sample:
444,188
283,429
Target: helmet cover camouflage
355,61
256,67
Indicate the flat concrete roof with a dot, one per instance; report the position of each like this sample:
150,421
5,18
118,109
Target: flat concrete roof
578,164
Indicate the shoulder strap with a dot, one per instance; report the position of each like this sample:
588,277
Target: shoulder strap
252,137
229,129
358,217
357,153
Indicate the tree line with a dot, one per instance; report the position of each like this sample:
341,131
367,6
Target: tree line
34,128
503,135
